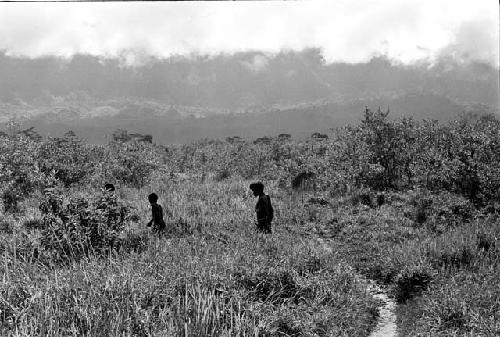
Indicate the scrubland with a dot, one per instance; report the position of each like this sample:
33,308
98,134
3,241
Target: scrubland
411,205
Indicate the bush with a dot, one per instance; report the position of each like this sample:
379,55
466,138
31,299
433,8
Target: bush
440,211
448,211
78,227
131,163
411,282
20,173
68,157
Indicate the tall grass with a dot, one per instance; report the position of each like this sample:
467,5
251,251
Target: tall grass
211,275
412,205
441,271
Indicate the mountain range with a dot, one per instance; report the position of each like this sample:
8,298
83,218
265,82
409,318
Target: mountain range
252,94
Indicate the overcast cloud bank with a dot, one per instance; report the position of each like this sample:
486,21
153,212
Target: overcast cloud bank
405,31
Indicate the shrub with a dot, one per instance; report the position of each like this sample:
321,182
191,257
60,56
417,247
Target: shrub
131,163
440,211
448,211
411,282
68,157
78,227
20,173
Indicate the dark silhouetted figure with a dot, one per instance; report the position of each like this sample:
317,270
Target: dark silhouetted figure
263,208
157,221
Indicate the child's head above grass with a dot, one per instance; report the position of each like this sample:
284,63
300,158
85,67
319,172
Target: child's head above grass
153,198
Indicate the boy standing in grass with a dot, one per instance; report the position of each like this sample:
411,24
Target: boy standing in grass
157,221
263,208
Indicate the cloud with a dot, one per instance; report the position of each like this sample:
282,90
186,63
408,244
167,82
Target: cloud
474,40
405,30
257,64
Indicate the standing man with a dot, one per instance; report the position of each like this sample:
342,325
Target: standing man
263,208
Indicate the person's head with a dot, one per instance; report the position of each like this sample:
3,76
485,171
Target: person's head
109,187
257,188
153,198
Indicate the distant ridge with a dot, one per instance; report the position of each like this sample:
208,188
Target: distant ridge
182,99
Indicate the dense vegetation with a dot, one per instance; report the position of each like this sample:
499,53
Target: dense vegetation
413,205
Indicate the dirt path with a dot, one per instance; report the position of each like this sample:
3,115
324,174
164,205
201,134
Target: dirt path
386,322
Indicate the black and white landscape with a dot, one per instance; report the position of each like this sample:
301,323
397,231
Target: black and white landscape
305,168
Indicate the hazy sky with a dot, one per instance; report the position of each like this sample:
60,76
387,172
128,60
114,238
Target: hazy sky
351,31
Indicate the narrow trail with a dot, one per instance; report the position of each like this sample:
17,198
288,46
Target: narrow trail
386,321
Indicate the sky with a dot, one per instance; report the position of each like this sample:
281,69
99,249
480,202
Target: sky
406,31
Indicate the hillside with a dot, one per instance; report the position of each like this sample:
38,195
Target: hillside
169,124
183,99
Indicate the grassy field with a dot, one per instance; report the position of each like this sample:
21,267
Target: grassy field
443,273
212,274
412,206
